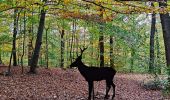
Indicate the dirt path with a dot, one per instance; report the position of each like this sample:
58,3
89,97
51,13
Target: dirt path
58,84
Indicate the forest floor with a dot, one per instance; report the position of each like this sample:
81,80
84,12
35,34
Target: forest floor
59,84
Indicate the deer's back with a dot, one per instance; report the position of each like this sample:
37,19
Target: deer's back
97,74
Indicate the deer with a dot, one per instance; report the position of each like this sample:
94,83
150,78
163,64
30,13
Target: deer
91,74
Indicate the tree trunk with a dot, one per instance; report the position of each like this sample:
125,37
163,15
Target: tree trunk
46,46
111,52
62,48
9,67
0,56
14,37
101,42
38,43
67,47
152,35
23,50
30,48
165,21
101,48
30,39
92,55
71,45
72,41
132,59
20,42
77,42
158,67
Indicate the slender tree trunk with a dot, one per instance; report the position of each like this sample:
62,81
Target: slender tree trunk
67,47
72,42
62,48
30,39
77,43
152,35
74,37
98,57
91,43
9,67
19,43
101,46
46,46
101,42
14,37
0,56
71,47
132,58
23,50
158,53
111,52
38,43
30,48
165,21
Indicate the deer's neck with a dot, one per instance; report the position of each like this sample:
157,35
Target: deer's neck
82,68
81,65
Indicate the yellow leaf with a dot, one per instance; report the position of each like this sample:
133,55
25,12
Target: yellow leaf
98,1
67,1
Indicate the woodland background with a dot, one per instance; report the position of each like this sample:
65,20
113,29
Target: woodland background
131,36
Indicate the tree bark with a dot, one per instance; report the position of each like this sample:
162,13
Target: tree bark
101,48
14,37
62,48
158,53
132,59
23,50
111,52
9,66
0,56
30,48
165,21
38,43
152,35
67,47
71,45
101,41
92,54
46,46
30,39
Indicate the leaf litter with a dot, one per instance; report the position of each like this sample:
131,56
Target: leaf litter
60,84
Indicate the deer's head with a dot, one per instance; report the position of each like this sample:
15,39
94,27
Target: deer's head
78,59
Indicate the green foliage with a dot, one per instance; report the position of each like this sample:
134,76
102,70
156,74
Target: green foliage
5,38
130,32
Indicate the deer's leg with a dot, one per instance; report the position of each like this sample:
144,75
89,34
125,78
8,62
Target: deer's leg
108,86
93,91
113,85
90,83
